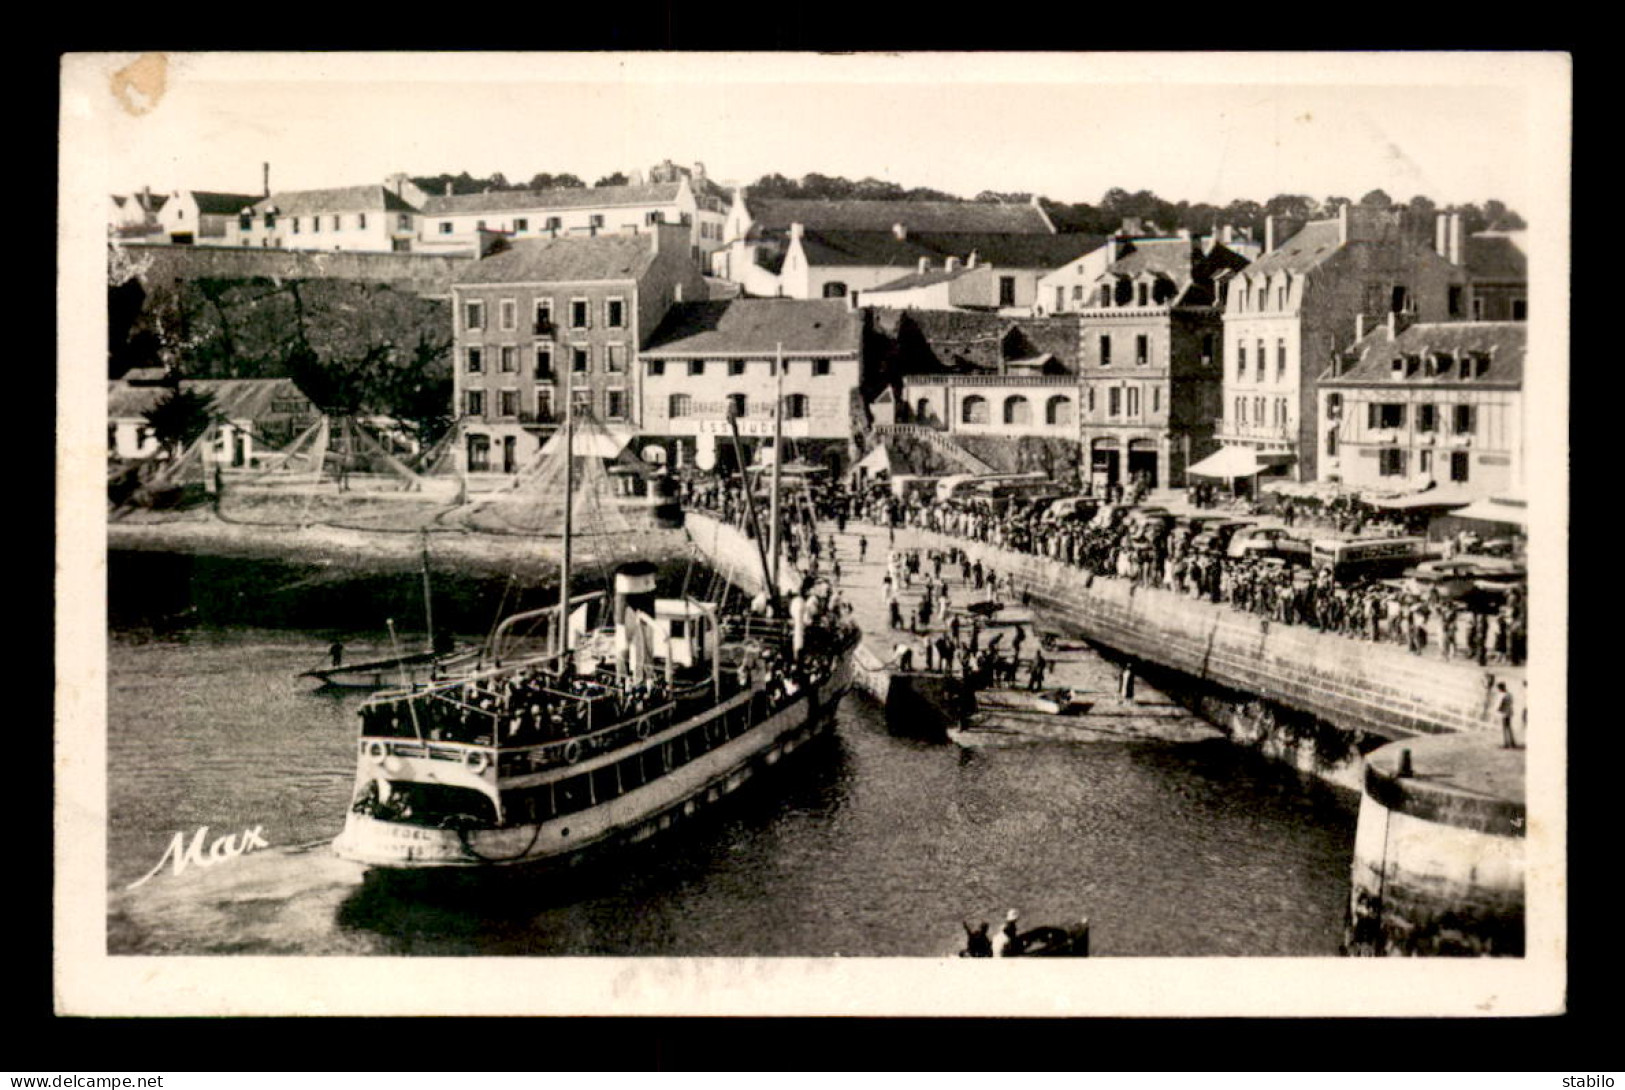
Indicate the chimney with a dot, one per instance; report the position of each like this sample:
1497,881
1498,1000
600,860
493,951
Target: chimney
924,264
951,264
1393,324
1359,328
899,230
677,289
1343,224
1269,234
265,179
448,188
1441,235
796,232
1455,254
970,262
699,172
1113,248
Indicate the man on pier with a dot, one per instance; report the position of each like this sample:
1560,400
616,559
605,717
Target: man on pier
1035,672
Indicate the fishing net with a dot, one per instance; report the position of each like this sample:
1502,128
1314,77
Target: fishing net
337,473
533,504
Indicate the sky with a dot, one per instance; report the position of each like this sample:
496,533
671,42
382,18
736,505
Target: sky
1196,127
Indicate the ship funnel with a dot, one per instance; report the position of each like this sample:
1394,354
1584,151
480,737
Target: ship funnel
634,589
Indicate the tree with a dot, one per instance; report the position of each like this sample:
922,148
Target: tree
179,418
825,187
774,185
1501,218
874,189
612,179
1376,199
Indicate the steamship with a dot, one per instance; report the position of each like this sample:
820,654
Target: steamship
643,711
628,728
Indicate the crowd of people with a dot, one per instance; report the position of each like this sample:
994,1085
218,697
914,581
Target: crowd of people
530,705
1160,552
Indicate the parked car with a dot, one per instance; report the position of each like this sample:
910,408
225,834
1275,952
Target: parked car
1267,541
1072,508
1217,533
1461,576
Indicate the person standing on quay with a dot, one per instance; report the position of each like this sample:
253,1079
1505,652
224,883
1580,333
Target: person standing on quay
1503,710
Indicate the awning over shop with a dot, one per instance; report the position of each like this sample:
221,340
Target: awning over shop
1229,463
1447,495
1496,509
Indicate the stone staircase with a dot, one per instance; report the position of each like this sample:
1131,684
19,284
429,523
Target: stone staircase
936,440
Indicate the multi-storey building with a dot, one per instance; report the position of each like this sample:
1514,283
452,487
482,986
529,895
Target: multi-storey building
529,314
811,249
715,359
1289,311
1412,405
360,217
1151,359
201,218
455,222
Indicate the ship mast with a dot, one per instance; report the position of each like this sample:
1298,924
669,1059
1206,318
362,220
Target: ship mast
778,460
428,600
569,490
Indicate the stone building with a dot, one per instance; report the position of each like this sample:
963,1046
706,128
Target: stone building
1287,313
812,249
456,221
1151,359
712,359
359,217
1435,403
526,315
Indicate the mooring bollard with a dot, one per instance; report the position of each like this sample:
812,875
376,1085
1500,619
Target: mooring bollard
1405,769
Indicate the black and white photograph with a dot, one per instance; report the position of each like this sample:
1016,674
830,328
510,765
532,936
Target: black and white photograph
751,533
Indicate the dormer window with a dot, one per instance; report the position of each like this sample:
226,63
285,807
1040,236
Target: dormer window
1105,295
1481,366
1398,367
1144,293
1443,363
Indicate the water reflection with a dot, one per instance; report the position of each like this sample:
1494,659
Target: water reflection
863,843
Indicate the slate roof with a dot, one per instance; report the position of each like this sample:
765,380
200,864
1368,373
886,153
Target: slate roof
883,248
1373,357
568,259
234,398
1191,271
516,200
1318,240
354,198
222,204
1494,256
771,214
921,280
732,326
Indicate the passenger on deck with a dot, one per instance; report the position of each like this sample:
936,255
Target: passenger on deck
1007,943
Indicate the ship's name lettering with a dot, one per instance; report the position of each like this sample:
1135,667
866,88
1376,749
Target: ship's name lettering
221,849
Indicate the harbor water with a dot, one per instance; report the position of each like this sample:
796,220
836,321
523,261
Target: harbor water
864,844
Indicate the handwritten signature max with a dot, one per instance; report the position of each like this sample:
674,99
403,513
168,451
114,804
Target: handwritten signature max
221,850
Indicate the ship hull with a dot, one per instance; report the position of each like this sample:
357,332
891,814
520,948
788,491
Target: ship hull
632,818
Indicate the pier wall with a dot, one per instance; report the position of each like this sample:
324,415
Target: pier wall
1438,862
734,556
1354,685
